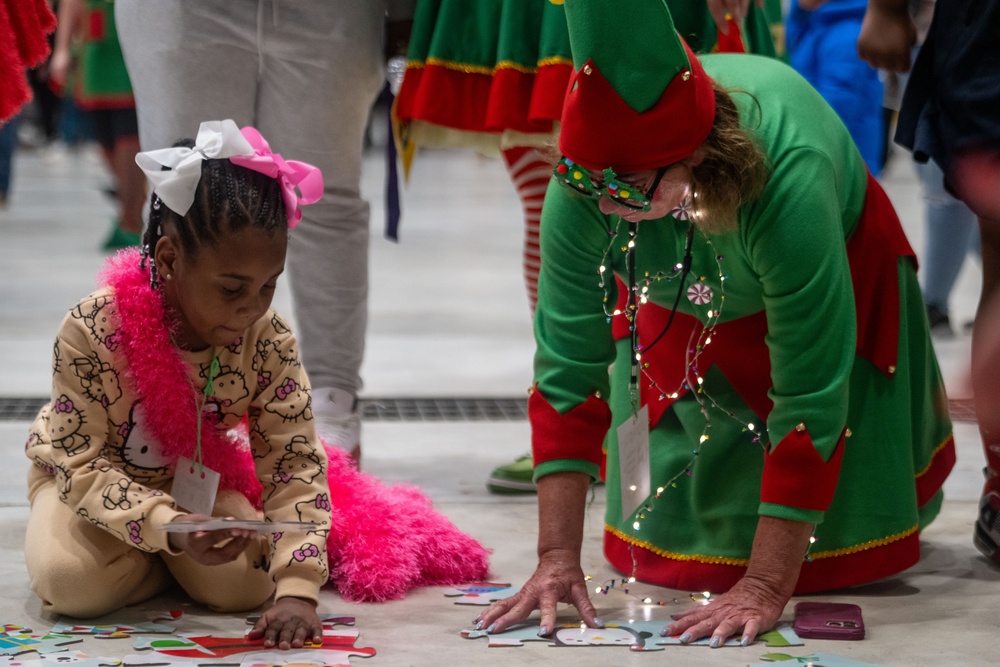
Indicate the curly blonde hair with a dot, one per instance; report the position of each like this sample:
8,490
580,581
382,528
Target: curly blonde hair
734,170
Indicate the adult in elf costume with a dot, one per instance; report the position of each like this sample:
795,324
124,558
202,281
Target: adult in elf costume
491,76
753,280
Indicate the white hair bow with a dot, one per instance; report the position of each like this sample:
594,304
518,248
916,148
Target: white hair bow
176,186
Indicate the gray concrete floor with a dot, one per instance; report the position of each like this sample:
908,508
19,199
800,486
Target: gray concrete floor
452,289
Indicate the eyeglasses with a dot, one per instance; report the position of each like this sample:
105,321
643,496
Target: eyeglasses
571,175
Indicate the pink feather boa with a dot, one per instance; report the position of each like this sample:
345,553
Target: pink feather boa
385,541
156,370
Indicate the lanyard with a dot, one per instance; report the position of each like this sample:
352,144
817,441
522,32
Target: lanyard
208,391
632,306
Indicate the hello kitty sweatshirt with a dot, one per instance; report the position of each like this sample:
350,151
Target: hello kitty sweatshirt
125,405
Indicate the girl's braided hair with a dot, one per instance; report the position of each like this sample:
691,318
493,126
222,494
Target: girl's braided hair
229,198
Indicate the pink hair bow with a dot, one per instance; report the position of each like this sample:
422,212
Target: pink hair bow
290,173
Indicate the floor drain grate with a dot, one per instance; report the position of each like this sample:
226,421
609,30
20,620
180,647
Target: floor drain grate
373,409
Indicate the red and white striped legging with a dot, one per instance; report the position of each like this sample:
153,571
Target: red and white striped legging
530,172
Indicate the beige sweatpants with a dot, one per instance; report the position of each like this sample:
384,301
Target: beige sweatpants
80,570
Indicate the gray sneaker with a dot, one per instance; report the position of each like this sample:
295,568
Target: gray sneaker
338,420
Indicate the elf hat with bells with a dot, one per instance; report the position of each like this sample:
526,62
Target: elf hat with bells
638,99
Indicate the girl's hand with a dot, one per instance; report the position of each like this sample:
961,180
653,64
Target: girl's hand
211,547
558,578
290,623
751,606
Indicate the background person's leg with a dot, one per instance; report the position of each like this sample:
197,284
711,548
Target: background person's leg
321,72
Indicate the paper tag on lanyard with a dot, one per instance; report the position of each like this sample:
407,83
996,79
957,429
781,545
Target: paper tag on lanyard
633,461
194,486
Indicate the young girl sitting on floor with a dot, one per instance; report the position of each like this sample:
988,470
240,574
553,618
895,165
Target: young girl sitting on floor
179,354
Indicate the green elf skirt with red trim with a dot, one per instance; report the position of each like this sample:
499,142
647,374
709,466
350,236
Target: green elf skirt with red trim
476,70
492,74
878,491
102,81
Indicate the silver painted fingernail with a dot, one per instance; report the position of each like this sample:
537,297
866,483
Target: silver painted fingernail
598,622
479,625
745,641
493,626
685,638
715,642
542,632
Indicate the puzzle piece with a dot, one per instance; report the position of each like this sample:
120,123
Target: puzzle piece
311,658
161,660
616,633
783,634
12,629
73,658
18,643
813,660
123,623
481,593
637,635
203,649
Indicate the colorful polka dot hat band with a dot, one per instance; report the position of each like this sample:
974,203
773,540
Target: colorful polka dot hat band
575,177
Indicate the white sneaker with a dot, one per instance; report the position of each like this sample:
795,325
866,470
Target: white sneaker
338,421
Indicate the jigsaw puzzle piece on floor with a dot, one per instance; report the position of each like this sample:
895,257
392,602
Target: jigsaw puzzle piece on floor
204,649
195,647
481,593
123,623
71,658
16,643
155,659
783,634
324,657
635,635
817,659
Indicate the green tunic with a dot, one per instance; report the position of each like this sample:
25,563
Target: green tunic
822,334
103,81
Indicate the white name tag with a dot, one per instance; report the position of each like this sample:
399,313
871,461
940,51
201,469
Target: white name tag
194,486
633,461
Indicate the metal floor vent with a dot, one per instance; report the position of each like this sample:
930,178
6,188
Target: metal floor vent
14,409
373,409
444,409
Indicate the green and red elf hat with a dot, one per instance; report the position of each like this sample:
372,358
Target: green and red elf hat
638,98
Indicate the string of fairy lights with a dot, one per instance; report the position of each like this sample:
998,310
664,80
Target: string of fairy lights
622,584
692,379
